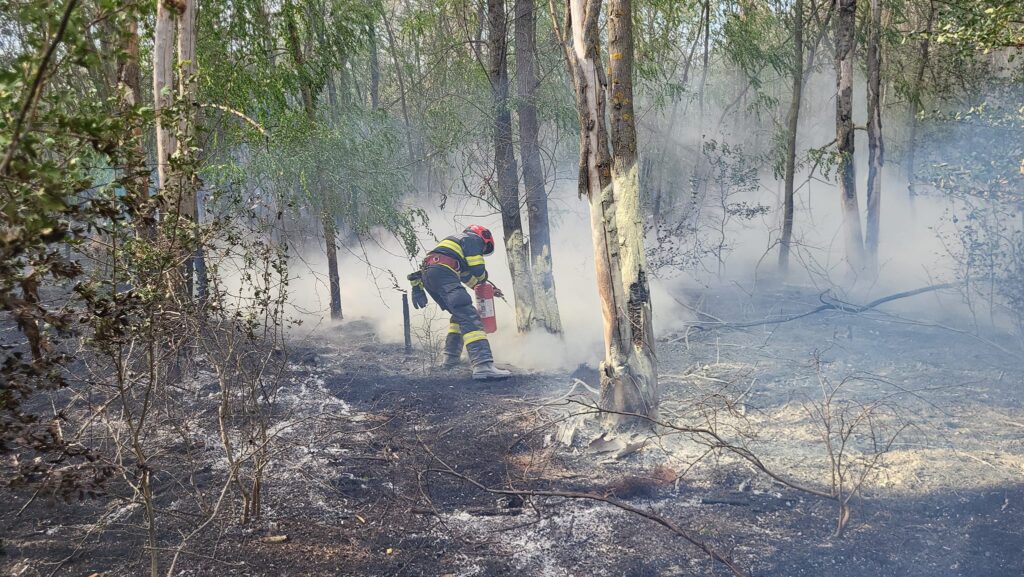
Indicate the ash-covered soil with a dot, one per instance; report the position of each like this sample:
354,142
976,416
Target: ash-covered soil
368,492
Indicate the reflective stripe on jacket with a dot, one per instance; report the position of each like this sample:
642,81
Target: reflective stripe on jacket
468,248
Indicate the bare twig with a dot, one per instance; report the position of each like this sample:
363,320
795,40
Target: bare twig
668,524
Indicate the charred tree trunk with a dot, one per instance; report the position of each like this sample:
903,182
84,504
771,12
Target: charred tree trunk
506,177
845,45
915,102
608,178
545,305
876,148
792,123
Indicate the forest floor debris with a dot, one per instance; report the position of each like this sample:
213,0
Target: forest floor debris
357,498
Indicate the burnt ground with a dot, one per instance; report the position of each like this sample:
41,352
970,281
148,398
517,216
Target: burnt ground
946,500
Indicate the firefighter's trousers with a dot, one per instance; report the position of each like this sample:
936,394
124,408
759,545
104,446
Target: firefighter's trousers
443,285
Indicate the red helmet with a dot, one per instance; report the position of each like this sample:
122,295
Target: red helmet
484,234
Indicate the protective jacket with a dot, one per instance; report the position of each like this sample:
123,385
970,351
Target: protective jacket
458,260
468,249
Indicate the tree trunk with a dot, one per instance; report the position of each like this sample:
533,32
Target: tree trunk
876,148
507,180
331,242
400,76
326,216
545,305
609,179
792,123
129,87
163,91
374,69
299,60
915,103
706,10
845,48
187,185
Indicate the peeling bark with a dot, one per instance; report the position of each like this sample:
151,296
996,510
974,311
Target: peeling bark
609,178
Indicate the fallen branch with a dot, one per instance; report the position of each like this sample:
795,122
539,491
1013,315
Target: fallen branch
715,441
836,305
668,524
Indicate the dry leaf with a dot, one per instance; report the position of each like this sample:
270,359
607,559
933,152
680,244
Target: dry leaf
605,444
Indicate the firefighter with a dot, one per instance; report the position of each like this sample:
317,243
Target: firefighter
458,260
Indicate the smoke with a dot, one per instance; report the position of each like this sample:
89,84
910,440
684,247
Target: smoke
914,231
912,252
368,293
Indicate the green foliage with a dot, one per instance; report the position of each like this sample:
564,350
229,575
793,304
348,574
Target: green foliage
757,40
982,24
352,170
347,161
55,145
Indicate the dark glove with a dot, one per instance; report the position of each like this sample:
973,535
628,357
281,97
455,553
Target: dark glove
419,296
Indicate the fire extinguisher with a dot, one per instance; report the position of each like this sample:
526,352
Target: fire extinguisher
485,306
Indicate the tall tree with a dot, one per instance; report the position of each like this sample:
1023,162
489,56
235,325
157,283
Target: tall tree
792,122
163,91
506,174
188,183
174,47
609,178
129,85
374,67
545,305
876,148
845,48
308,94
915,100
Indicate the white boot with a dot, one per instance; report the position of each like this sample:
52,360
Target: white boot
488,372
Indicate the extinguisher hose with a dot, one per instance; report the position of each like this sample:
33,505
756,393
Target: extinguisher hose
502,297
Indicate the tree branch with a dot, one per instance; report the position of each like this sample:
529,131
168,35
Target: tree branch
668,524
31,102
